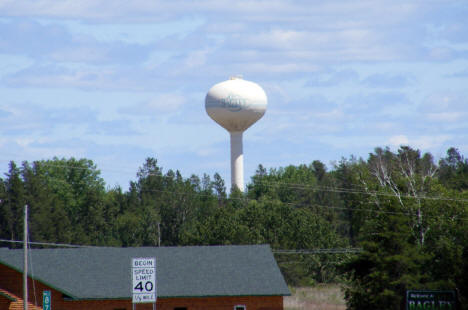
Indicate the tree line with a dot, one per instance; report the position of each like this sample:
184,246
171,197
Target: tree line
407,211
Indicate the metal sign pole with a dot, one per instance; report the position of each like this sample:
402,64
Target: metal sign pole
25,267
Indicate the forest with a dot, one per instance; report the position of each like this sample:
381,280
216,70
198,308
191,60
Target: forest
406,212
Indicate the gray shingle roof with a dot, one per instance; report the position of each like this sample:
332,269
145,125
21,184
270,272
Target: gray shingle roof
194,271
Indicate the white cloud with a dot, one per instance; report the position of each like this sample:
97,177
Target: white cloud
165,103
444,102
387,126
313,40
207,151
445,116
398,140
55,76
90,78
139,9
278,39
387,80
196,58
282,68
431,142
24,142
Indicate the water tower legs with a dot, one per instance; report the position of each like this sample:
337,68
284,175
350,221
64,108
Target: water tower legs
237,160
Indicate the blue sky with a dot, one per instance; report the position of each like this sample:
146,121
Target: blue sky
120,81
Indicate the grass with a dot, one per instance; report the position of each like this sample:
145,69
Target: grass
320,297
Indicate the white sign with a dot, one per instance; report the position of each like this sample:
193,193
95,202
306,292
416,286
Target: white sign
143,280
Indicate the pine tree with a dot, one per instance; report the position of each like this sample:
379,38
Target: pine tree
390,264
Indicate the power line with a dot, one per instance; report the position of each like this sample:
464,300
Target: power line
352,209
276,184
278,251
321,251
319,188
94,166
304,187
305,205
48,244
354,191
301,205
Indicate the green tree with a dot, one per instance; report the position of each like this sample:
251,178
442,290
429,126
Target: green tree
171,204
408,177
12,203
348,175
415,238
304,186
145,199
453,170
3,219
79,190
48,219
115,202
390,264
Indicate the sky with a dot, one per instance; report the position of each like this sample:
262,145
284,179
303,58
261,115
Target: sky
120,81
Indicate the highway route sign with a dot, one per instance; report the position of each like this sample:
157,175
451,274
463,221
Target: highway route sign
46,300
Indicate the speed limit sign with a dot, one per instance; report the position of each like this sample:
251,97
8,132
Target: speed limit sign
144,280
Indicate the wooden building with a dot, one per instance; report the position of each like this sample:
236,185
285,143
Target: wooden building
188,278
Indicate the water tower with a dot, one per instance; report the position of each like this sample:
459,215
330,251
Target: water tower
236,104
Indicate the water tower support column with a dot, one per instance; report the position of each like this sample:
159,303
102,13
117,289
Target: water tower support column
237,160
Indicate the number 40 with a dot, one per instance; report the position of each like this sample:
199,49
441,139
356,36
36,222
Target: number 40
148,286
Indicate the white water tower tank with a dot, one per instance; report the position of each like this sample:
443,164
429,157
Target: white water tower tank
236,104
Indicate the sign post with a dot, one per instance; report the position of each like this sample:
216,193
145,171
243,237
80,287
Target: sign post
46,302
144,281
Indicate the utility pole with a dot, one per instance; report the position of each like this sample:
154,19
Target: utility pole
159,234
25,267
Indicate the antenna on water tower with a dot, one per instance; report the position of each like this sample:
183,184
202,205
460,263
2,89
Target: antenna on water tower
236,104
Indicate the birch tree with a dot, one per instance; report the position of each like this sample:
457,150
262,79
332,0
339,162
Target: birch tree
407,176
